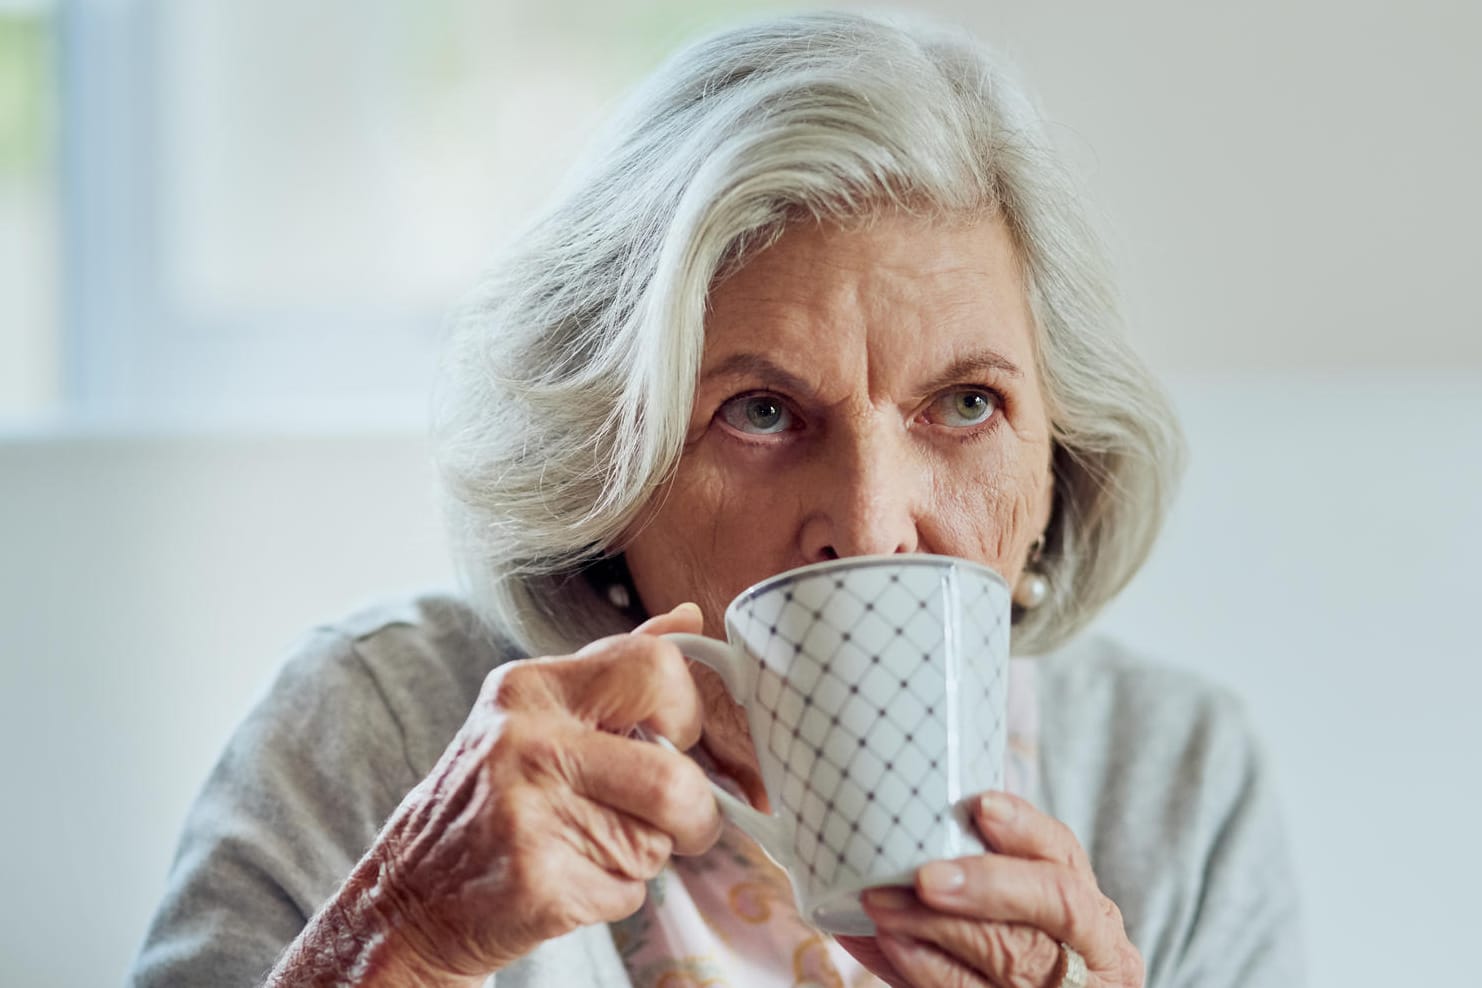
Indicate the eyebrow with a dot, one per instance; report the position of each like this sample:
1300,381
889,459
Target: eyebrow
976,364
972,365
756,365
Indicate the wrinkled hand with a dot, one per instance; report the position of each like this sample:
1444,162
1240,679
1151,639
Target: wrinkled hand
998,919
544,815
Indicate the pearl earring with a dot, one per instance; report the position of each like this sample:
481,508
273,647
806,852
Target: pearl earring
608,576
1032,588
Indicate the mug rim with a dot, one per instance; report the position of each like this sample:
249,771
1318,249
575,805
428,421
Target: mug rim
861,562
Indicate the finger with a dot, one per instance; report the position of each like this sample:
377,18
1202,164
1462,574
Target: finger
685,618
922,964
562,891
606,897
953,898
554,820
1004,953
1016,827
620,844
660,788
645,678
543,829
614,683
542,817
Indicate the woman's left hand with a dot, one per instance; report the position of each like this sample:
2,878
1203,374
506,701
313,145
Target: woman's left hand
998,919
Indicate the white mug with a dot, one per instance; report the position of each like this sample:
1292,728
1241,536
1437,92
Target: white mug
876,689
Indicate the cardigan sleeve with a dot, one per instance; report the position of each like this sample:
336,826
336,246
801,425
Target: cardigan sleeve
295,799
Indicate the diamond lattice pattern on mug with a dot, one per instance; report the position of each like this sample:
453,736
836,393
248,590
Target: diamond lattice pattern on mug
857,712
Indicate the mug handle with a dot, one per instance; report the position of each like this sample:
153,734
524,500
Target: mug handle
739,674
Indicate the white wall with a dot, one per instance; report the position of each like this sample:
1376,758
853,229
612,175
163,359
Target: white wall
148,588
1290,183
1322,562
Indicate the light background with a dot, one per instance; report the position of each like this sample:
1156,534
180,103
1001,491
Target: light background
1291,190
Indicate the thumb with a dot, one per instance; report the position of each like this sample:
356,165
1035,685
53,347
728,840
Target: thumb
684,618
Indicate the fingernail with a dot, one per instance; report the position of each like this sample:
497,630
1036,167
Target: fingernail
995,807
678,610
940,878
890,899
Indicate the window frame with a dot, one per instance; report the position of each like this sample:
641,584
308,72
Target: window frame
128,354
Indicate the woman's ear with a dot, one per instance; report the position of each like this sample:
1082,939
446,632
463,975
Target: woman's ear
1048,506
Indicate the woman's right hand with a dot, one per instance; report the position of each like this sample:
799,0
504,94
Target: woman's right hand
543,815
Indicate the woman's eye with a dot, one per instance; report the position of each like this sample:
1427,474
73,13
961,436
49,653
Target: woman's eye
970,406
757,415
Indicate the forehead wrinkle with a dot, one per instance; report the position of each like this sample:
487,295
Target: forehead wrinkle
814,288
779,340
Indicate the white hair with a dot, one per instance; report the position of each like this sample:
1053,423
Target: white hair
569,378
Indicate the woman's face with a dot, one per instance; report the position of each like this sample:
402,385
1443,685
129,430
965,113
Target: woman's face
860,392
868,391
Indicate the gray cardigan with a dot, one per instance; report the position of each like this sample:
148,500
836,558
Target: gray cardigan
1155,771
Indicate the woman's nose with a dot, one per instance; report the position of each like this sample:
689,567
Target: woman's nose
865,500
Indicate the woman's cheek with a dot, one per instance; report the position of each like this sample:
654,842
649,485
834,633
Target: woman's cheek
723,528
986,509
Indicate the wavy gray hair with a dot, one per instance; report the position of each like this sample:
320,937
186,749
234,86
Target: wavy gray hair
569,376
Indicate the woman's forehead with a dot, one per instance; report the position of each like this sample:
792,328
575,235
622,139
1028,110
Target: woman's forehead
903,291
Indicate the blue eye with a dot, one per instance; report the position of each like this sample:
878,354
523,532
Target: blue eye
967,407
761,415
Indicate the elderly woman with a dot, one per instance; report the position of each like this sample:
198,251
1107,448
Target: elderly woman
823,292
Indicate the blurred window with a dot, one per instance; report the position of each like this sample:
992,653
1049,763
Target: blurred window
29,372
269,206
